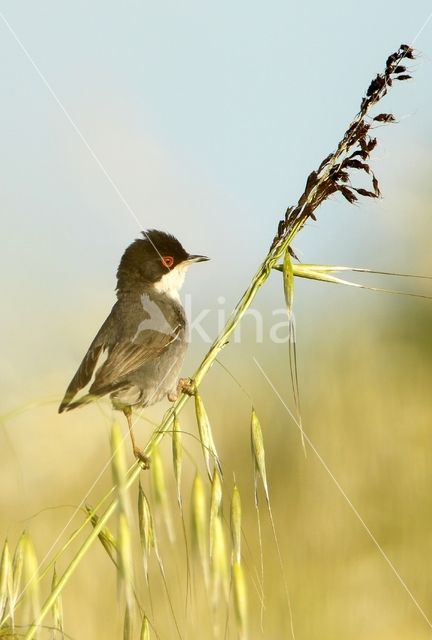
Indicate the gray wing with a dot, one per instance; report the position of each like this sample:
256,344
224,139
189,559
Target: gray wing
127,356
85,371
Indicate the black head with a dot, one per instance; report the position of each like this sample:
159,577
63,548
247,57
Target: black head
148,259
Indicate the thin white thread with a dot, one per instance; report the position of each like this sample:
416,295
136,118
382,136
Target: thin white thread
346,498
422,28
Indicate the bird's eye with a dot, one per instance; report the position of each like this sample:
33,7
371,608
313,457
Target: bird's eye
168,261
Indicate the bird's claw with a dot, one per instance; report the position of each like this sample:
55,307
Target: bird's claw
142,458
187,386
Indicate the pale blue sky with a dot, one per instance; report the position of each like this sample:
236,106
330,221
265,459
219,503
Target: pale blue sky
208,116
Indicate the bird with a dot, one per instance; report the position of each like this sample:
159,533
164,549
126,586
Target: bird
144,338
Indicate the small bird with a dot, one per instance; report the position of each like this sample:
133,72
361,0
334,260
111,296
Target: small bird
144,335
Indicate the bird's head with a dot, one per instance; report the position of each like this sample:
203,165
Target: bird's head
157,260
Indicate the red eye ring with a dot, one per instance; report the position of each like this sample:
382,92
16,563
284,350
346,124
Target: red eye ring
168,261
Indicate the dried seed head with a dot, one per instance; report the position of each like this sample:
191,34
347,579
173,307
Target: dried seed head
366,193
348,194
384,117
357,164
376,186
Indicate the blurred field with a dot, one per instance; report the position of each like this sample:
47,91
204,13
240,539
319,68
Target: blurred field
366,398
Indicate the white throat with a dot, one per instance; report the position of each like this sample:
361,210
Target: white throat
171,283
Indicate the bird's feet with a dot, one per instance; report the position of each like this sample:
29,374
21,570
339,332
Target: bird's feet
187,386
142,458
184,385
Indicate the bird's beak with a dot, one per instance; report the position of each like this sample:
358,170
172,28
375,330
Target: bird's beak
197,258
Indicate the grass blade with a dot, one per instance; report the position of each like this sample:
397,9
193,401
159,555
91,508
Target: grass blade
322,273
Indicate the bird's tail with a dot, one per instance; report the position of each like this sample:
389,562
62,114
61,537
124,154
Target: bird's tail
66,405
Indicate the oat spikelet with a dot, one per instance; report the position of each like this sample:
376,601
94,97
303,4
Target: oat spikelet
105,536
145,630
57,611
206,437
219,562
160,491
31,574
127,625
177,451
119,467
258,456
288,282
199,523
146,529
235,521
322,273
5,579
215,505
240,599
125,571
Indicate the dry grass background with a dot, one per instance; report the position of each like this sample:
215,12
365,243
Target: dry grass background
367,408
